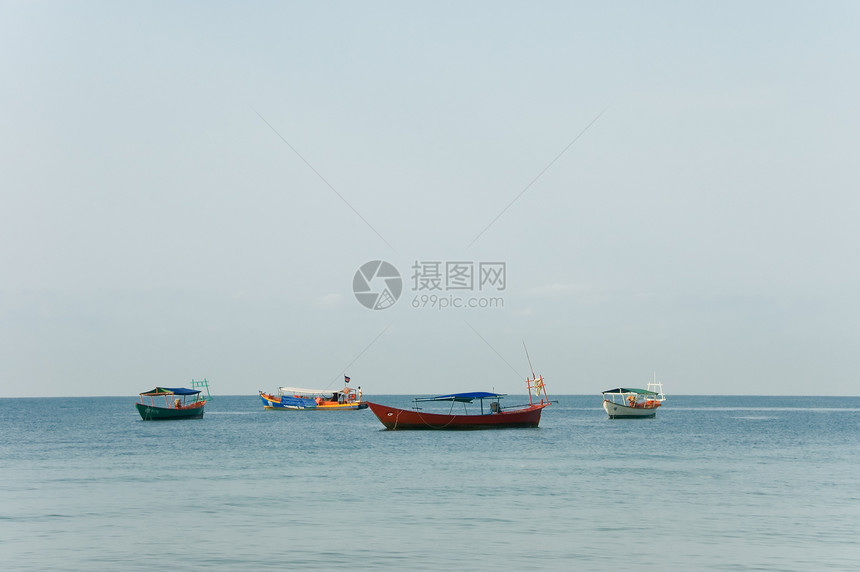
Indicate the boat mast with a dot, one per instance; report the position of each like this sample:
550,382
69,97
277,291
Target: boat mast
531,381
529,359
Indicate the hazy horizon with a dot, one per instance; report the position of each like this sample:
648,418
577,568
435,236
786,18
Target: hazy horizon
597,404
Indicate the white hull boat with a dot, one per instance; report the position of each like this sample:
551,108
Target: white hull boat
632,403
618,411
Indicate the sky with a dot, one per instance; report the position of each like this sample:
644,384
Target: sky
188,190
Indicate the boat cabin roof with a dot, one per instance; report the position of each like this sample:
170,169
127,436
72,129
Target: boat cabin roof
630,390
171,391
467,397
305,391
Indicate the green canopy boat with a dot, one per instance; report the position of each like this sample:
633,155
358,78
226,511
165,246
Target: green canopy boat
634,403
176,404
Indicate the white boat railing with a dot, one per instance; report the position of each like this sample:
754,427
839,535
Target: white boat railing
656,387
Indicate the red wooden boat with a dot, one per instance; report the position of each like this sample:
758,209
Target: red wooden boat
493,417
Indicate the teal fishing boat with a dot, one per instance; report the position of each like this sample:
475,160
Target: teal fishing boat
179,403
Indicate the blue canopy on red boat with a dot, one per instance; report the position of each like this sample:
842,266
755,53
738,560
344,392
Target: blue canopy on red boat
467,397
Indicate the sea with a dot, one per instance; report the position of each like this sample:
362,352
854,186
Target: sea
710,483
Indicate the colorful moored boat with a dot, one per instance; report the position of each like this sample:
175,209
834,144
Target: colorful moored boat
298,398
176,404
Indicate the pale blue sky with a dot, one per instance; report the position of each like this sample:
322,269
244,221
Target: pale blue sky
154,229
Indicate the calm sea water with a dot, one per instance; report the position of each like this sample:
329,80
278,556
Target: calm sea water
720,483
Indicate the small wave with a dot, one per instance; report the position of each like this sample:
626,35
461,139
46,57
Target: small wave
815,409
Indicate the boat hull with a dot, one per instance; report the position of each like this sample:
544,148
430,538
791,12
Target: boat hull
394,418
153,413
618,411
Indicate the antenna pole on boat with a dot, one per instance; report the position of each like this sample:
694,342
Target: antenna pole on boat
532,380
529,359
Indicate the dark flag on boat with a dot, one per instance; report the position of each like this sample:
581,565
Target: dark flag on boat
345,379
